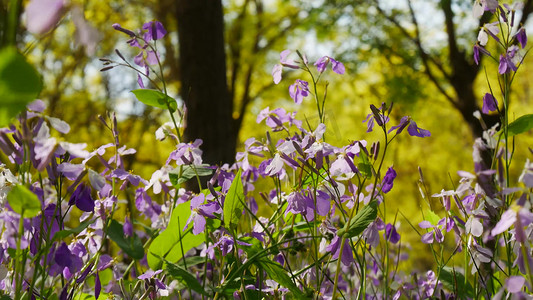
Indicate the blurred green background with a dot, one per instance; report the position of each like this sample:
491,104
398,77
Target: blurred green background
417,54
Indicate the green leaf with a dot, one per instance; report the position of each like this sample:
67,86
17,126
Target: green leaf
182,174
23,201
361,221
432,217
455,281
168,244
279,275
234,203
65,233
184,277
364,166
520,125
20,84
132,245
155,98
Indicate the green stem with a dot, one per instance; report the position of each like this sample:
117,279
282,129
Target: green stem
18,261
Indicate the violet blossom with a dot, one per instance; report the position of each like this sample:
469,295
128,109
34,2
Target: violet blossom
323,62
489,103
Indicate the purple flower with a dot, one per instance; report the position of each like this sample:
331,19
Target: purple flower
400,127
225,245
82,198
335,247
155,31
199,212
436,233
284,62
64,258
277,117
489,103
146,58
414,130
299,90
521,36
323,62
379,118
388,180
187,153
128,227
506,64
144,204
391,234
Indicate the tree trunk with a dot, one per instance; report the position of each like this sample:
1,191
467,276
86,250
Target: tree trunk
203,79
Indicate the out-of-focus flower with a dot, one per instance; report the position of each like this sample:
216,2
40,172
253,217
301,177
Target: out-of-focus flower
43,15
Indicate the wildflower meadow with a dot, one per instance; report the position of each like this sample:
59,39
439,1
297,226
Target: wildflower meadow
292,217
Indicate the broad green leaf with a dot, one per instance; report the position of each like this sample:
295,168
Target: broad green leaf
234,203
20,84
361,221
168,244
455,281
364,166
182,174
132,245
520,125
65,233
184,277
23,201
155,98
432,217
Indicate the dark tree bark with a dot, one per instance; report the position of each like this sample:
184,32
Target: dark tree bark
203,79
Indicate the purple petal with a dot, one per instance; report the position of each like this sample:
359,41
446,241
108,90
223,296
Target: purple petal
489,103
507,219
63,257
199,224
82,198
71,171
427,238
337,67
388,180
514,284
97,286
140,81
37,106
414,130
521,36
276,73
322,63
155,30
59,125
